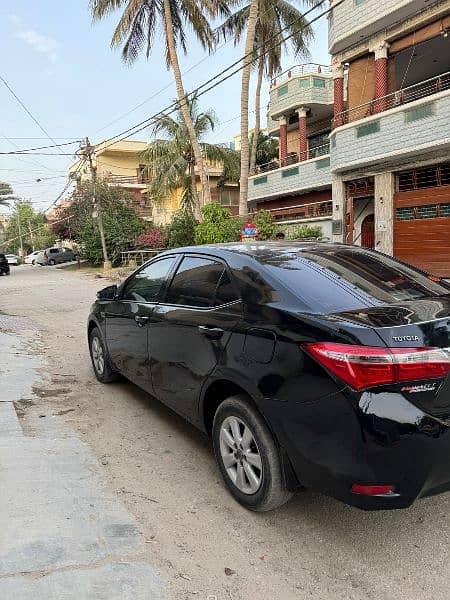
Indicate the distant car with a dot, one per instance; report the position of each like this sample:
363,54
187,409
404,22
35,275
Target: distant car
12,259
31,258
55,256
4,266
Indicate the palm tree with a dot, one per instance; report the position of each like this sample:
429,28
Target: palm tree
171,161
276,19
6,194
136,31
266,150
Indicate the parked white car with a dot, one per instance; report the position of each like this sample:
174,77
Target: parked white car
31,258
12,259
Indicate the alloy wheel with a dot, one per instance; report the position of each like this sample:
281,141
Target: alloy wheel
240,455
98,357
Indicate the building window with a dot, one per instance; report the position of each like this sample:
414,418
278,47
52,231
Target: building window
260,180
304,83
427,212
282,91
290,172
420,112
318,82
444,210
367,129
323,163
425,177
229,198
405,214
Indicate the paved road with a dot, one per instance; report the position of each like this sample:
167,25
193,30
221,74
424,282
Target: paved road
163,475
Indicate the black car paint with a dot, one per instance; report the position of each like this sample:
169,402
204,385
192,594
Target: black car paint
330,436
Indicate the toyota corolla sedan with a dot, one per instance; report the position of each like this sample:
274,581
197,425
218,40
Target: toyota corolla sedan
311,365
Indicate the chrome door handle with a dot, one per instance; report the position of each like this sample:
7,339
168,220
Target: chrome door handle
141,321
212,332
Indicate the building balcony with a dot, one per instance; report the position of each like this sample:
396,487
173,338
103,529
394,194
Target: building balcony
353,21
308,86
294,178
414,122
128,181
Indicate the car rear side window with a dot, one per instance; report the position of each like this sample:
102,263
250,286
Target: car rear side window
337,279
147,284
225,291
195,282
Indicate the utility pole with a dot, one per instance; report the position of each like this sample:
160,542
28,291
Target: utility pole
89,151
21,252
31,235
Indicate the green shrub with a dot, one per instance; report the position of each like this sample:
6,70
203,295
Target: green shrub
181,231
302,232
218,226
264,222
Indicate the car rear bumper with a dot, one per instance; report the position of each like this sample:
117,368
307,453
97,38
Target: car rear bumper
376,439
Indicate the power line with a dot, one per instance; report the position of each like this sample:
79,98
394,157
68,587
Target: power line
24,150
27,110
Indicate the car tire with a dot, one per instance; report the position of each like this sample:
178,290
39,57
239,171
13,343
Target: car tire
101,363
33,262
51,262
256,483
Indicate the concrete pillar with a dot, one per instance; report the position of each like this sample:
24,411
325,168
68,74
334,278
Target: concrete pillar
338,195
381,77
302,135
338,79
384,212
282,149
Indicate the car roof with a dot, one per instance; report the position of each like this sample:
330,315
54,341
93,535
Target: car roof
258,250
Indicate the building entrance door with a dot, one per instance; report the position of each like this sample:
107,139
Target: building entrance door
368,232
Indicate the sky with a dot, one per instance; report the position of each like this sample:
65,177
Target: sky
63,69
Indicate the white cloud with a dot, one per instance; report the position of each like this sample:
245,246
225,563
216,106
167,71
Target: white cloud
40,43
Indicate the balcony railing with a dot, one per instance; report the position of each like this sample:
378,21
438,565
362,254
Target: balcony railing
127,179
313,210
296,70
406,95
293,158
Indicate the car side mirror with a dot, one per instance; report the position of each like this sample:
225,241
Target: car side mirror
107,293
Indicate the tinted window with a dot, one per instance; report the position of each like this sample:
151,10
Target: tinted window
2,257
147,283
225,291
54,250
195,282
334,279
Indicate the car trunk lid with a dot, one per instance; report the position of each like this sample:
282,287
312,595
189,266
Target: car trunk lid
414,324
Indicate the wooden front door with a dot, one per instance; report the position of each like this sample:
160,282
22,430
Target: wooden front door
368,232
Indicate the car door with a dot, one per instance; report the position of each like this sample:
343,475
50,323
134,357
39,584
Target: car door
190,329
127,320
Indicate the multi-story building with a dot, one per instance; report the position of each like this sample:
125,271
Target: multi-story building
121,164
386,162
297,187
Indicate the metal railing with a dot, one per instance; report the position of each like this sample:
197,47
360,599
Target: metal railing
293,158
304,69
138,257
127,179
420,90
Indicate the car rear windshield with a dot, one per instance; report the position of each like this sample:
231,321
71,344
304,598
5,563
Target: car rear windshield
336,279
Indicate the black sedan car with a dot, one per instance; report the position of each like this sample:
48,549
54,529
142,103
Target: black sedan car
311,365
4,265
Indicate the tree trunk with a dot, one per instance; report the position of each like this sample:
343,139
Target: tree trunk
248,59
195,207
257,113
184,107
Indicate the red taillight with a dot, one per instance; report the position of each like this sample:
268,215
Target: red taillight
373,490
362,367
